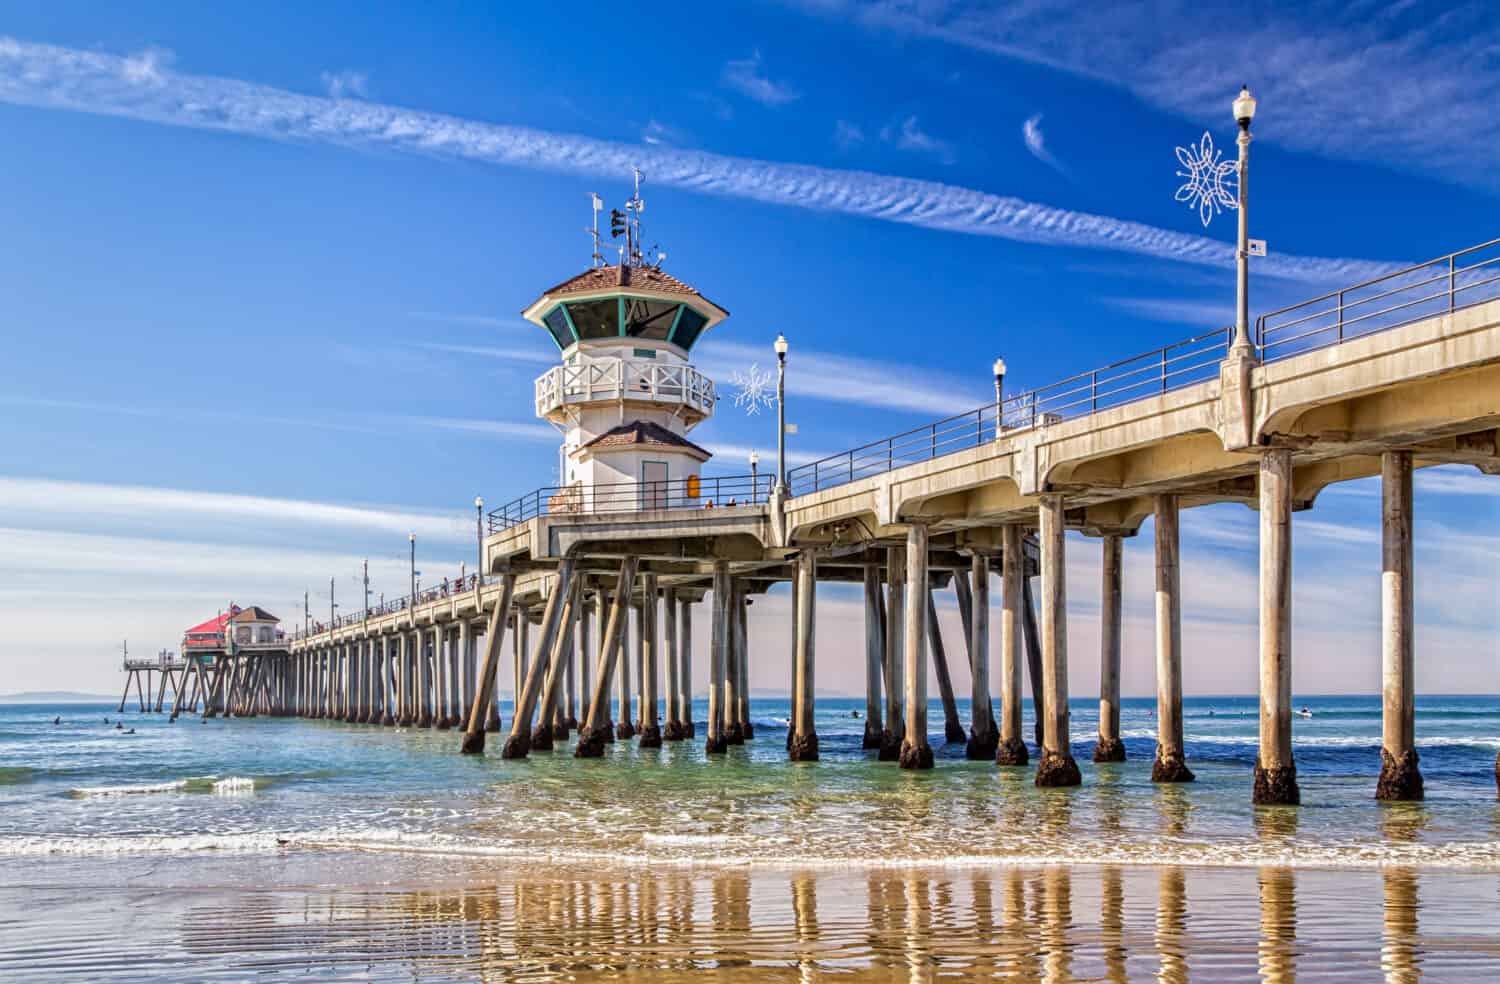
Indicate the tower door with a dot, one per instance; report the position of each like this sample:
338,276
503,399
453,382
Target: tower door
653,485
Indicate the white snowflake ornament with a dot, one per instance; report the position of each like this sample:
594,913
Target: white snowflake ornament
754,391
1205,188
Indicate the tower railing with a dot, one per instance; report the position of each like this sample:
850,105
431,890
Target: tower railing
601,379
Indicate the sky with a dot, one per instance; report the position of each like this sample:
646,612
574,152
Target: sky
261,272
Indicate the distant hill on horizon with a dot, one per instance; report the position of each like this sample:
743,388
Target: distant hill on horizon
55,697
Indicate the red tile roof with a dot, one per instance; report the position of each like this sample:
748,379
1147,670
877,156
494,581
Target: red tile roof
623,278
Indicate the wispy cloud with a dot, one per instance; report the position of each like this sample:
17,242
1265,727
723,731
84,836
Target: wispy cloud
42,498
747,76
346,84
847,135
88,81
493,428
842,379
537,356
1312,65
657,133
1036,142
471,320
736,457
910,136
1203,314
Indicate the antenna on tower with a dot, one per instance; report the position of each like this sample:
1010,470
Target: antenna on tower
598,203
636,206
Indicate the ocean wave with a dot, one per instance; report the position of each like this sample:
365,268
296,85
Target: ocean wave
102,845
683,840
233,786
217,785
138,789
16,775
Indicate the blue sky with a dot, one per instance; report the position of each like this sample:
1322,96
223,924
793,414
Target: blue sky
262,271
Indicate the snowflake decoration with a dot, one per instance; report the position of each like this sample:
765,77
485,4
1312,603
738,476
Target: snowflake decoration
1205,188
754,389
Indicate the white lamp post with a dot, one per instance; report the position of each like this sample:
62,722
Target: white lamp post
412,539
999,368
781,412
754,483
479,532
1244,112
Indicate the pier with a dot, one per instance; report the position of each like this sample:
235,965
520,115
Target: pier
1377,379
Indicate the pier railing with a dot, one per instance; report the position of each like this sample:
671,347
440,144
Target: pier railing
1448,283
695,492
1183,363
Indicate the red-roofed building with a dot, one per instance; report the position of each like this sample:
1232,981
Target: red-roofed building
253,626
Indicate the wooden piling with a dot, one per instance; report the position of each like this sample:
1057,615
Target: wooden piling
1275,770
915,751
1109,747
1056,767
1400,774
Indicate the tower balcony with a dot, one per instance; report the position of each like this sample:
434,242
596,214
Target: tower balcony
675,386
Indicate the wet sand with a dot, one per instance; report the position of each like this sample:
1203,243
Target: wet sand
371,916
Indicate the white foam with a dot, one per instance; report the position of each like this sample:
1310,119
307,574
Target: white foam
42,845
141,789
684,840
234,786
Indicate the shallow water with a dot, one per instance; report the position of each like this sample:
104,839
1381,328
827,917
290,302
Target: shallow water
421,858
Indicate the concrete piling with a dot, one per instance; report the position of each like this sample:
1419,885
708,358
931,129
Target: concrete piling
1109,747
553,666
734,732
1400,775
1012,747
1170,764
672,730
974,607
597,732
874,656
625,728
1056,767
518,745
1275,770
894,730
477,723
685,666
804,734
915,752
953,729
650,658
742,664
718,660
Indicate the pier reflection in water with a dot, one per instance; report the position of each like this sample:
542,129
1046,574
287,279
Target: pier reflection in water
1054,923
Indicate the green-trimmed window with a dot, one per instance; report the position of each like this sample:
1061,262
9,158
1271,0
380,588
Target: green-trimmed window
649,318
557,323
596,319
689,326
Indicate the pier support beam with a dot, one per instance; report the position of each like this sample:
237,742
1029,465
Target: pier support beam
569,716
1400,776
804,733
383,689
1275,771
585,657
718,659
483,699
596,732
742,662
874,656
1170,764
444,678
518,745
548,728
734,730
672,730
625,726
953,728
1109,747
650,660
685,666
974,606
406,704
424,680
915,752
895,655
1056,767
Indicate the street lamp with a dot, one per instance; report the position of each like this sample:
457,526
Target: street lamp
1244,112
479,532
999,368
781,412
412,539
754,479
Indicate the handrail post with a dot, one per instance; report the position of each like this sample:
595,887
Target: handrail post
1341,315
1452,281
1094,388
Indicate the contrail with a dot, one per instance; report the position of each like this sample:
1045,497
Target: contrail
142,87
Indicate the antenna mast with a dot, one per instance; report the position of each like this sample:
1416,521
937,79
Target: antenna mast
598,258
636,206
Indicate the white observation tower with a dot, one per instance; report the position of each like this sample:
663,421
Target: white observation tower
625,395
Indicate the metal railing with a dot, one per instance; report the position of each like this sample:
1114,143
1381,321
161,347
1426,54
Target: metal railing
617,497
1448,283
624,379
1183,363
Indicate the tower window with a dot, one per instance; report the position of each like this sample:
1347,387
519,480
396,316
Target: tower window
596,319
557,323
688,328
649,319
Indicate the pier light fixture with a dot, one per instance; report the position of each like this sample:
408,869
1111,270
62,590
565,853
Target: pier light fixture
754,474
479,532
1244,112
781,348
999,368
411,538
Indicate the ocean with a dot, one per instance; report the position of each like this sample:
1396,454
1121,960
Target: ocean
231,849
